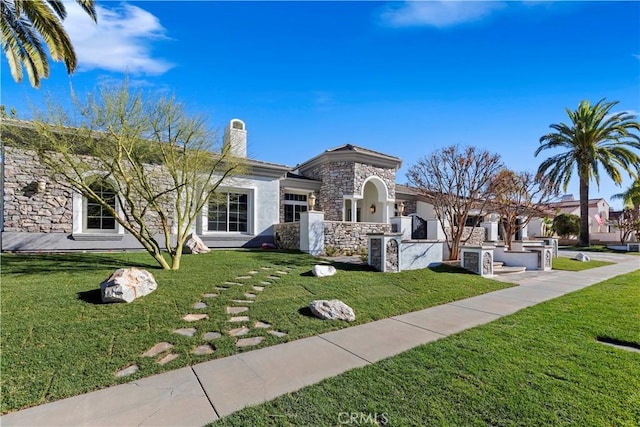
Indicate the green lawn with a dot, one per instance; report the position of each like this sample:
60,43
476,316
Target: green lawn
542,366
569,264
58,340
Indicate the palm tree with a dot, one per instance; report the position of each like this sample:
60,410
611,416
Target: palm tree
596,138
26,24
631,196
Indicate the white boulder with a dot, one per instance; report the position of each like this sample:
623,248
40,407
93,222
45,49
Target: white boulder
195,245
332,310
322,270
127,284
582,257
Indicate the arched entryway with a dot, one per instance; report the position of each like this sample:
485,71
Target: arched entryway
371,205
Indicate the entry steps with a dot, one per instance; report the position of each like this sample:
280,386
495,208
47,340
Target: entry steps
500,268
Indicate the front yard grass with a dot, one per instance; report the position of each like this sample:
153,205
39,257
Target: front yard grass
570,264
58,340
542,366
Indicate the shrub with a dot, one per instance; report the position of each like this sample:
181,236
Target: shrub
566,225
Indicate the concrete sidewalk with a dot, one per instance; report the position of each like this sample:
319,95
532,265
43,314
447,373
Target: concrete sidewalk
202,393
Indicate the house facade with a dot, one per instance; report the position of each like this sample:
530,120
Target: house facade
354,187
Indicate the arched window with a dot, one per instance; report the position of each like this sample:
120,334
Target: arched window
97,216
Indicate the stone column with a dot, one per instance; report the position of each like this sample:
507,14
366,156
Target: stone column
492,230
402,225
384,251
312,232
477,259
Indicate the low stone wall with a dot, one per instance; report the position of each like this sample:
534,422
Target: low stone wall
350,236
287,235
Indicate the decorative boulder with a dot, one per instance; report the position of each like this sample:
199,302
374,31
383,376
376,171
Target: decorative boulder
582,257
195,245
322,270
127,284
332,310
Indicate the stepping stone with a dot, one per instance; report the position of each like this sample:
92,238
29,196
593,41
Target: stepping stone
258,288
266,283
239,319
209,336
265,268
195,317
161,347
277,333
246,342
236,310
249,295
262,325
203,349
187,332
127,371
237,332
199,305
168,358
209,295
233,283
218,288
252,272
273,277
242,301
243,277
281,272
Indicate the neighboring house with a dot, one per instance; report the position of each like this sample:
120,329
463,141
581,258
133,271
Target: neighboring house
598,212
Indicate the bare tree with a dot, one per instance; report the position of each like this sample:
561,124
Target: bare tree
161,164
518,197
628,223
456,180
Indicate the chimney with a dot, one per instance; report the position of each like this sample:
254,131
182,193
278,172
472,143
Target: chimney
235,135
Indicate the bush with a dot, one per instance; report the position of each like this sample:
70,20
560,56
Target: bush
566,225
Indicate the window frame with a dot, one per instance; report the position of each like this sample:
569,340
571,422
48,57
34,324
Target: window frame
249,193
300,203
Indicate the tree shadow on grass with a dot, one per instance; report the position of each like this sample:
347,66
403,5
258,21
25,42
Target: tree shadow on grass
93,296
52,263
446,268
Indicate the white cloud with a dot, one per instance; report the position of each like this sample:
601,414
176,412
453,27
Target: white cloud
438,14
120,42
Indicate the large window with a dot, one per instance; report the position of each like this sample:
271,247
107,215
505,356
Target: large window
228,212
97,216
293,205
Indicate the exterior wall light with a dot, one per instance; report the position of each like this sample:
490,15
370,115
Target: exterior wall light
372,209
311,200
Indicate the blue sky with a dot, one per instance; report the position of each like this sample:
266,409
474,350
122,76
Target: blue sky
404,78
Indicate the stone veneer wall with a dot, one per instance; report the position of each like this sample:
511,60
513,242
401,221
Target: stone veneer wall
340,178
477,235
27,210
287,235
350,236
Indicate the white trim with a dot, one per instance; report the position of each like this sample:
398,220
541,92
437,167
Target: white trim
79,216
252,193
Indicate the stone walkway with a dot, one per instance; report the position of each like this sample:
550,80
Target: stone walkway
202,393
162,350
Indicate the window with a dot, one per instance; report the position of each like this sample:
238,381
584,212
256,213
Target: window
293,205
97,216
228,212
